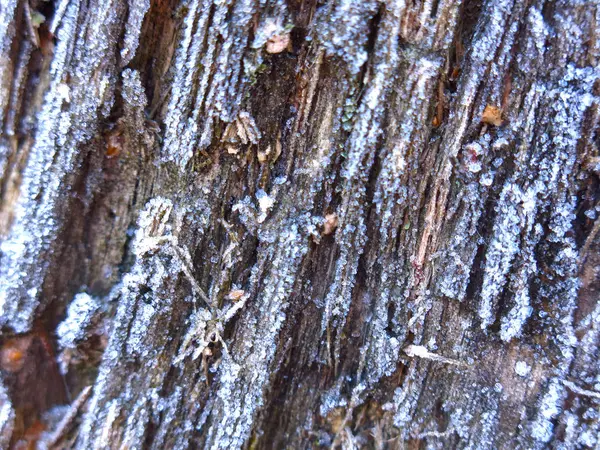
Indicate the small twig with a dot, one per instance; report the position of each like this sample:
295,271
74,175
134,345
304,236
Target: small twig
418,351
577,390
436,434
159,104
589,240
228,227
354,401
185,265
67,420
35,39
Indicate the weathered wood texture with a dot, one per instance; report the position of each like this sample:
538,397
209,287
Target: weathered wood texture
300,224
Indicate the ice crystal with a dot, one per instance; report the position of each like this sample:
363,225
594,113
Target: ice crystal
549,408
455,267
502,249
522,369
244,374
79,315
486,41
35,221
525,167
7,417
265,203
136,12
515,231
348,37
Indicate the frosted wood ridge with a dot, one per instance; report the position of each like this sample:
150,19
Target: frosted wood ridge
321,246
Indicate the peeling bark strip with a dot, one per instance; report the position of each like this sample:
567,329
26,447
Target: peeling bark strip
244,224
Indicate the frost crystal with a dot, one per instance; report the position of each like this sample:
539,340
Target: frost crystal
513,202
241,388
549,408
348,38
431,229
136,12
79,315
7,417
265,203
145,299
35,222
522,369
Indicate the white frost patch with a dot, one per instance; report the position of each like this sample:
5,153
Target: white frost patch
549,408
502,249
7,417
244,374
513,322
347,32
64,91
79,315
522,369
361,148
56,153
137,11
49,161
265,203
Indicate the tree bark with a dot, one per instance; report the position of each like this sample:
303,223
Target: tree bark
299,224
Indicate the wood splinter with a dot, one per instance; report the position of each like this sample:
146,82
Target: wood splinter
581,391
419,351
64,425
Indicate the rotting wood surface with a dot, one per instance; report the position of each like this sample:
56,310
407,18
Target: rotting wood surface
299,224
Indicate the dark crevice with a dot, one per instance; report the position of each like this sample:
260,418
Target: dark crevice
434,8
155,48
468,20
